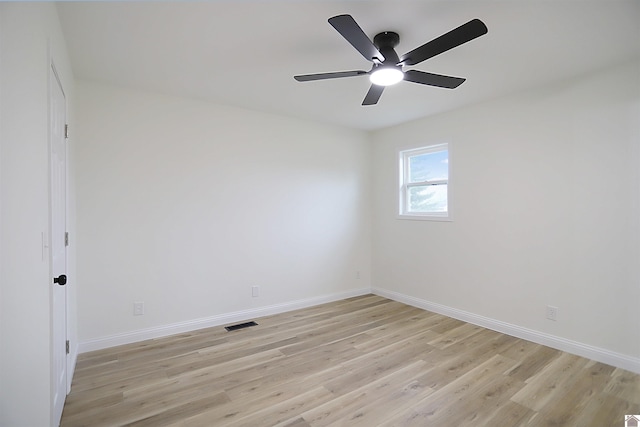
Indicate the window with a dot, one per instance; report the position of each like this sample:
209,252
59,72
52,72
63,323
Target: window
424,183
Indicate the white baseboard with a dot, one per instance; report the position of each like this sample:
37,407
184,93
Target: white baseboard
590,352
71,365
207,322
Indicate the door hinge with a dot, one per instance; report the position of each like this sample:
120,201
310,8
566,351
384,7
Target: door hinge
66,238
66,131
67,346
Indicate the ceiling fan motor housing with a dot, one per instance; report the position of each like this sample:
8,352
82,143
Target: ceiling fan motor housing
386,42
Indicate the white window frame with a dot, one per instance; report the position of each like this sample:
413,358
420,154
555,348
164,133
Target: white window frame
403,157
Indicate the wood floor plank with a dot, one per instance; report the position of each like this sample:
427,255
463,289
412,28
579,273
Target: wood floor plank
277,413
533,358
379,363
313,363
371,403
168,414
509,414
625,385
457,400
269,410
552,383
363,361
298,422
456,335
603,410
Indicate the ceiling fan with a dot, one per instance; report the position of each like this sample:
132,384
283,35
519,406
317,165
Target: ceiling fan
387,65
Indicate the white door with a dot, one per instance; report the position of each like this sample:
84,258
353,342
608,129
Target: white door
58,245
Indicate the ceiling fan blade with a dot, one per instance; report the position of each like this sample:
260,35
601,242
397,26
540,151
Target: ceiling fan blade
375,91
351,31
456,37
324,76
431,79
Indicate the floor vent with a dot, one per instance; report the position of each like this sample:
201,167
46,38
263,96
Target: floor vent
240,326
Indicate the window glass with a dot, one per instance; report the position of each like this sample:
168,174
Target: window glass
429,166
428,198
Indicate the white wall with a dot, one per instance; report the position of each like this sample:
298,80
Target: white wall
546,212
29,34
185,205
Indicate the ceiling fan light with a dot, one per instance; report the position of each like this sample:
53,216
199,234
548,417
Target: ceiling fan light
386,76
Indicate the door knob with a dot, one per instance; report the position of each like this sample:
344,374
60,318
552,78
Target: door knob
60,280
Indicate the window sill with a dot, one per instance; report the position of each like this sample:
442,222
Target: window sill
441,218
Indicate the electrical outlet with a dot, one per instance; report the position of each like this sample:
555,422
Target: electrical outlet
255,291
552,313
357,274
138,308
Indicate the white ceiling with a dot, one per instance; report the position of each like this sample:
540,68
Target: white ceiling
245,53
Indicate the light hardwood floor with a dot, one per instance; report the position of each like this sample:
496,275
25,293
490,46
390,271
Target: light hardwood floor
365,361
